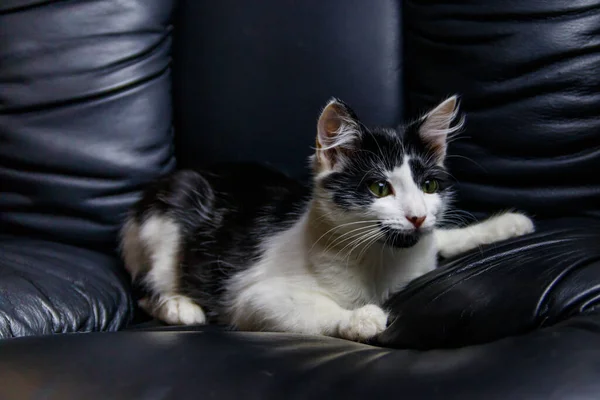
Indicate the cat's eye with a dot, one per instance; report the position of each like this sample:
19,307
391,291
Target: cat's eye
430,186
380,188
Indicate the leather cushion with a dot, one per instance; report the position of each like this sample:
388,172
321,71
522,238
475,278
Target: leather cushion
506,289
528,75
514,320
47,287
85,114
509,288
556,363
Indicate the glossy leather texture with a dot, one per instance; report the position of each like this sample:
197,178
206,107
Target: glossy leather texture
85,121
554,364
528,75
85,114
250,78
48,287
517,320
510,288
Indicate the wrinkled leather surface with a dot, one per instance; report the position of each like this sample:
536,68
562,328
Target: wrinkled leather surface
529,302
510,288
557,363
528,73
507,289
540,292
250,77
516,320
46,287
85,114
85,121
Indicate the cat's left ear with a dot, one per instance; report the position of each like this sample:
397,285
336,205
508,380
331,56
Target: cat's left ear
436,125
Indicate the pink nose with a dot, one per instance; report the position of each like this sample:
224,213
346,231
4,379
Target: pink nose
416,221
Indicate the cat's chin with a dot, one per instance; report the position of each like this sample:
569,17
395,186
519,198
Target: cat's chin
401,239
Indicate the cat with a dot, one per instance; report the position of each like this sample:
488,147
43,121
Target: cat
253,249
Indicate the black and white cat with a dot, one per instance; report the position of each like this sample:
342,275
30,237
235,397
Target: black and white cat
252,249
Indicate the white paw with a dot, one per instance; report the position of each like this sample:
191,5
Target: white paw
512,225
364,323
179,310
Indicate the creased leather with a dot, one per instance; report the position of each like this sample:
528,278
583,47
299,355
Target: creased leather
85,121
514,320
528,75
85,114
510,288
556,363
46,288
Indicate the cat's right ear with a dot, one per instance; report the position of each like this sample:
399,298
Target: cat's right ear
338,130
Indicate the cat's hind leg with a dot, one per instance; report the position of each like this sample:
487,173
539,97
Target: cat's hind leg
151,250
452,242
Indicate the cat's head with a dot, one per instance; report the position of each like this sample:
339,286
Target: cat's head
390,180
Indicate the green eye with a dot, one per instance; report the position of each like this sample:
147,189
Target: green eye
430,186
380,189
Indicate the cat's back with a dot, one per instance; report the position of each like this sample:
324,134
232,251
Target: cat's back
254,196
225,198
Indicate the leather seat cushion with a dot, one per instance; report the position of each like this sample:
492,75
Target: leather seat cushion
47,287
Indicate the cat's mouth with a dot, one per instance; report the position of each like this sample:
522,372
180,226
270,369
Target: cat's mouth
400,238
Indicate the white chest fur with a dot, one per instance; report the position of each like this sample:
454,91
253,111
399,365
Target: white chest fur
296,277
371,276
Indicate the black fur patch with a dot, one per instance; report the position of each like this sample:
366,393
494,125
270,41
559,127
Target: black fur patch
226,213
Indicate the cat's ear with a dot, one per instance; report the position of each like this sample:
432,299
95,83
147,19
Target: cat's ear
338,131
436,126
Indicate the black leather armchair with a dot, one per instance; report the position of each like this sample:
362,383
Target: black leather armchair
99,97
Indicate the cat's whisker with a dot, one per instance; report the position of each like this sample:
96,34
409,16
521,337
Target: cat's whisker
352,237
384,246
337,227
323,216
353,245
457,216
453,220
463,212
363,239
448,173
364,176
369,244
347,236
366,244
359,239
468,159
340,239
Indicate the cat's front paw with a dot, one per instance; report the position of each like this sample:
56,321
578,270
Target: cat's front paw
364,323
177,310
512,225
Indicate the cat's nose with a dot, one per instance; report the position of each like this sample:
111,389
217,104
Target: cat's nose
416,221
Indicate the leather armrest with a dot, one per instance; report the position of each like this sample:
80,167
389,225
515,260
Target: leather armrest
47,287
506,289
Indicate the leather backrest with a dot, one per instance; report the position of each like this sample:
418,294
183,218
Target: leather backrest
85,114
250,78
528,75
